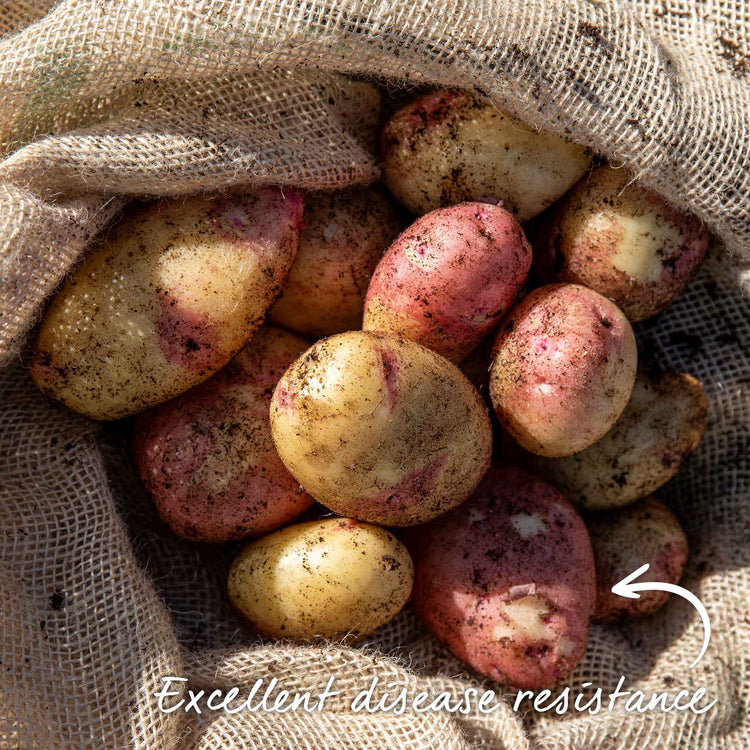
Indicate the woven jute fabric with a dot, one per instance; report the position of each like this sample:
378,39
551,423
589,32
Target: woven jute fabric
102,102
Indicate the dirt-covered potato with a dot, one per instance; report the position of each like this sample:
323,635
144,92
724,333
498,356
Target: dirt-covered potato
344,235
563,369
207,457
175,292
335,579
449,278
380,428
506,581
660,427
448,146
622,240
625,539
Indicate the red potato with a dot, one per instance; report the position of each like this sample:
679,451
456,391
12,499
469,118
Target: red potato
621,240
506,581
625,539
563,369
450,146
176,290
381,429
449,278
344,235
207,457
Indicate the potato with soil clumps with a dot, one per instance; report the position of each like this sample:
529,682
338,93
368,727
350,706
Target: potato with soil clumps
207,457
506,581
175,292
449,278
380,428
448,146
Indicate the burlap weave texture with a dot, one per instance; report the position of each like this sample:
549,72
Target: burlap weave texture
104,101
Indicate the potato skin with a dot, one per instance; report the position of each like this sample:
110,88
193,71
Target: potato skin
506,581
344,235
207,457
337,579
449,278
447,146
624,539
660,427
563,369
621,240
175,292
379,428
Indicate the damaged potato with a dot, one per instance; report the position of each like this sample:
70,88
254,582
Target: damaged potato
449,146
336,579
175,292
506,581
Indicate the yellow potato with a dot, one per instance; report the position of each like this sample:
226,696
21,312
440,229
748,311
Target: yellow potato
448,146
175,292
380,428
660,427
336,579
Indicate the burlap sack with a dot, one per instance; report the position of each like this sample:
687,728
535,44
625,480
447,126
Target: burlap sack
100,100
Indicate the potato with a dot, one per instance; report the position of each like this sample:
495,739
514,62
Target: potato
207,457
449,278
175,292
380,428
621,240
660,427
623,540
563,369
506,581
336,579
448,146
344,235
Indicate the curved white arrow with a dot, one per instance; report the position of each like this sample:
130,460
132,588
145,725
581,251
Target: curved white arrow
627,588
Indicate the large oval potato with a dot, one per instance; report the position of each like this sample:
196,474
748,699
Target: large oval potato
660,427
448,146
380,428
449,278
506,581
563,369
344,235
336,579
207,457
623,540
174,293
626,242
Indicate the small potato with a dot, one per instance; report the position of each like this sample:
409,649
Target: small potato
175,292
448,146
563,369
380,428
506,581
660,427
449,278
337,579
623,540
207,457
621,240
344,235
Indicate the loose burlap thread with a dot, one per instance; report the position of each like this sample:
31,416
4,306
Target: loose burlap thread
101,102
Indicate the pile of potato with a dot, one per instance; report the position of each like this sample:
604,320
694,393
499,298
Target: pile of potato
523,264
